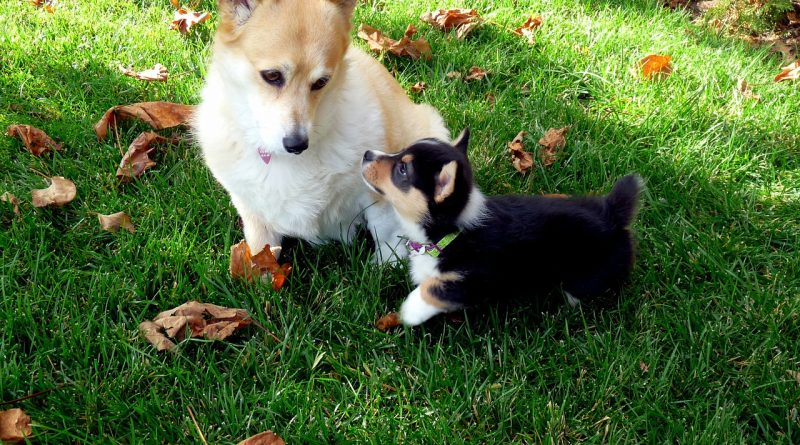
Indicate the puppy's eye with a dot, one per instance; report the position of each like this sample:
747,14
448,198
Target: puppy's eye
402,169
273,77
320,83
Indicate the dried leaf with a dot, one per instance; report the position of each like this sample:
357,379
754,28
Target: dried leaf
522,160
263,265
552,142
462,20
476,73
15,426
744,90
265,438
556,195
158,115
157,73
388,322
202,320
794,374
185,19
655,66
490,99
793,17
116,221
11,199
404,47
136,160
454,75
419,87
789,72
48,5
529,27
644,367
35,140
60,192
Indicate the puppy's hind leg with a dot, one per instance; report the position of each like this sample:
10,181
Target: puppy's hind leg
415,310
385,229
428,299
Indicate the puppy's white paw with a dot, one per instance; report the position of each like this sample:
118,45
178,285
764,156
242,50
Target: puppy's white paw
415,310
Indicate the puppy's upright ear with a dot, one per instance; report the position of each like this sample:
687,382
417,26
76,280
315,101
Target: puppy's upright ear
445,182
235,13
462,141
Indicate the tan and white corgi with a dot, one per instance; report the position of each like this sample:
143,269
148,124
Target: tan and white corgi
288,109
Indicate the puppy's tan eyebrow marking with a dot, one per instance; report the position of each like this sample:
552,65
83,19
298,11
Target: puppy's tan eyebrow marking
407,158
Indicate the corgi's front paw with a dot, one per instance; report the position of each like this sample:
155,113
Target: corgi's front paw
415,310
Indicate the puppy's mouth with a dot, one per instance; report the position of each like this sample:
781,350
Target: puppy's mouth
265,155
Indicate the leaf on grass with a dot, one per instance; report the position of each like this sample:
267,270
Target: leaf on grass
552,142
522,160
198,319
743,89
529,27
11,199
47,5
419,87
15,426
136,160
157,73
116,221
789,72
404,47
388,322
35,140
462,20
556,195
185,19
644,367
794,374
265,438
263,265
60,192
454,75
158,115
655,66
476,73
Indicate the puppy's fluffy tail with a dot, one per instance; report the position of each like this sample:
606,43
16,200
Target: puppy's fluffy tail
623,201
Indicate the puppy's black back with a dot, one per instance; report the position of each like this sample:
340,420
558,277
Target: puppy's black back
527,244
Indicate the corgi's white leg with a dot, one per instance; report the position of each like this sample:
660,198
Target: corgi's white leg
416,310
256,233
385,229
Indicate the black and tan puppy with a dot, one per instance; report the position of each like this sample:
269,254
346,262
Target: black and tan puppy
467,249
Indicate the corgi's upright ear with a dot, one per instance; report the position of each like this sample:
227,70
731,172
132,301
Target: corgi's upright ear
235,13
445,182
462,141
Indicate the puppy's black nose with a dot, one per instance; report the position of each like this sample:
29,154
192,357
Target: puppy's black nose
295,143
369,156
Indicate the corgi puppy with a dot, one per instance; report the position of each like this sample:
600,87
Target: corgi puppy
468,249
287,111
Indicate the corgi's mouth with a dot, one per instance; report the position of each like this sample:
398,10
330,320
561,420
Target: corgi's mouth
264,154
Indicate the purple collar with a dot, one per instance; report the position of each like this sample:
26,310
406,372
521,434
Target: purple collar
432,249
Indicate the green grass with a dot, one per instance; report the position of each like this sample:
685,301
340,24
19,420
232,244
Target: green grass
712,308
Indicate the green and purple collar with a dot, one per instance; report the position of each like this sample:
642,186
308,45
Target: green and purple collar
432,249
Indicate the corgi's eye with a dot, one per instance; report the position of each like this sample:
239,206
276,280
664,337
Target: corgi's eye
320,83
402,169
273,77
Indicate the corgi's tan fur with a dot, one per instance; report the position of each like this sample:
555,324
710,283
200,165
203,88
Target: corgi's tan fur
288,109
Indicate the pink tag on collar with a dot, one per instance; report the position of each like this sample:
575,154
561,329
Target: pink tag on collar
265,155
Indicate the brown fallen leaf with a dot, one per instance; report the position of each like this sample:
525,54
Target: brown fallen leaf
454,75
419,87
552,142
644,367
793,17
47,5
157,73
490,99
11,199
462,20
158,115
265,438
15,426
388,321
264,264
521,159
476,73
136,160
60,192
197,319
185,19
794,374
35,140
743,89
556,195
528,28
404,47
789,72
116,221
655,66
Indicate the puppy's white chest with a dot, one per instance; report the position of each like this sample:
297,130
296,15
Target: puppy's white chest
422,267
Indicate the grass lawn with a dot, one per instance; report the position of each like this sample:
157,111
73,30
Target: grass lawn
697,351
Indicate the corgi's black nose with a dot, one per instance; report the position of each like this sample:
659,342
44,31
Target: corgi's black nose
295,143
369,156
